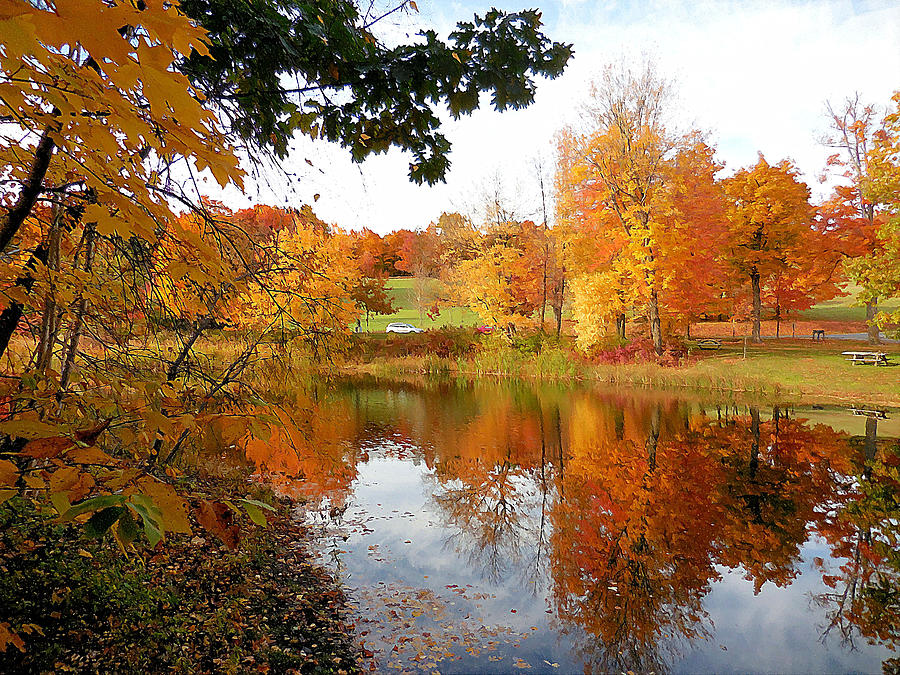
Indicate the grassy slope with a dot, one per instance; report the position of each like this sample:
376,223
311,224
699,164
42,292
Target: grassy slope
401,289
844,308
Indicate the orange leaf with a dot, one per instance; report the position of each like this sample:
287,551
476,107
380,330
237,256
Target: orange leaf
89,456
8,636
89,436
43,448
76,484
9,473
172,506
216,518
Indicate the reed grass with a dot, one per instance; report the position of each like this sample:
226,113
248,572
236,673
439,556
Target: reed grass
794,372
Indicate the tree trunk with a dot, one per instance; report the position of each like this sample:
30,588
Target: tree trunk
655,329
31,189
544,295
757,304
558,303
620,325
51,315
75,336
777,319
9,319
687,331
871,311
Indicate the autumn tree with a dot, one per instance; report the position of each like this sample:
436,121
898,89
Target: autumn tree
693,233
591,244
642,212
420,256
501,282
371,296
855,217
459,237
420,252
880,269
368,249
374,263
627,156
770,221
307,281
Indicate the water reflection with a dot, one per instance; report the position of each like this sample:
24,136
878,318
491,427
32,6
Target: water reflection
863,574
623,511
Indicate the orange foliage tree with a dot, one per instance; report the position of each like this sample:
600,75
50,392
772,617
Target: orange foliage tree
770,235
501,279
643,219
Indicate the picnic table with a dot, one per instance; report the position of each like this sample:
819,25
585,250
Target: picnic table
818,335
863,412
875,358
709,343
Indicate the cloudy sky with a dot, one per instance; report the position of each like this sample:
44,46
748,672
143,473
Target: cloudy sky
754,74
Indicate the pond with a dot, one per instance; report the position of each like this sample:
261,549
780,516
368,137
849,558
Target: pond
497,527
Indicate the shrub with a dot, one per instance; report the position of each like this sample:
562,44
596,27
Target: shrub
639,350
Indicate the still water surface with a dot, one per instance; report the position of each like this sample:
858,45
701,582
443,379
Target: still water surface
485,527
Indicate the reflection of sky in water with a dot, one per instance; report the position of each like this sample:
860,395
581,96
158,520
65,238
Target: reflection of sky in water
448,540
392,497
775,631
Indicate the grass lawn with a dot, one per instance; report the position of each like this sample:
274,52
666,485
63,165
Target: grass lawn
811,371
402,290
844,308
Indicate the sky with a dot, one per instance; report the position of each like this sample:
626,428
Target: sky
754,75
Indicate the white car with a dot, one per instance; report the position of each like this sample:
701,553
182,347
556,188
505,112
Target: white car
402,328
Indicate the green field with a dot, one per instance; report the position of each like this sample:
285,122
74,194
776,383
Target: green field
402,291
844,308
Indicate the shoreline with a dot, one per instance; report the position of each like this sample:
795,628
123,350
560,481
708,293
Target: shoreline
808,377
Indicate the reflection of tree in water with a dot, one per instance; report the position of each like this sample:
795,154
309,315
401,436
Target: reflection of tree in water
305,452
630,559
490,512
781,476
629,504
646,519
864,534
496,500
